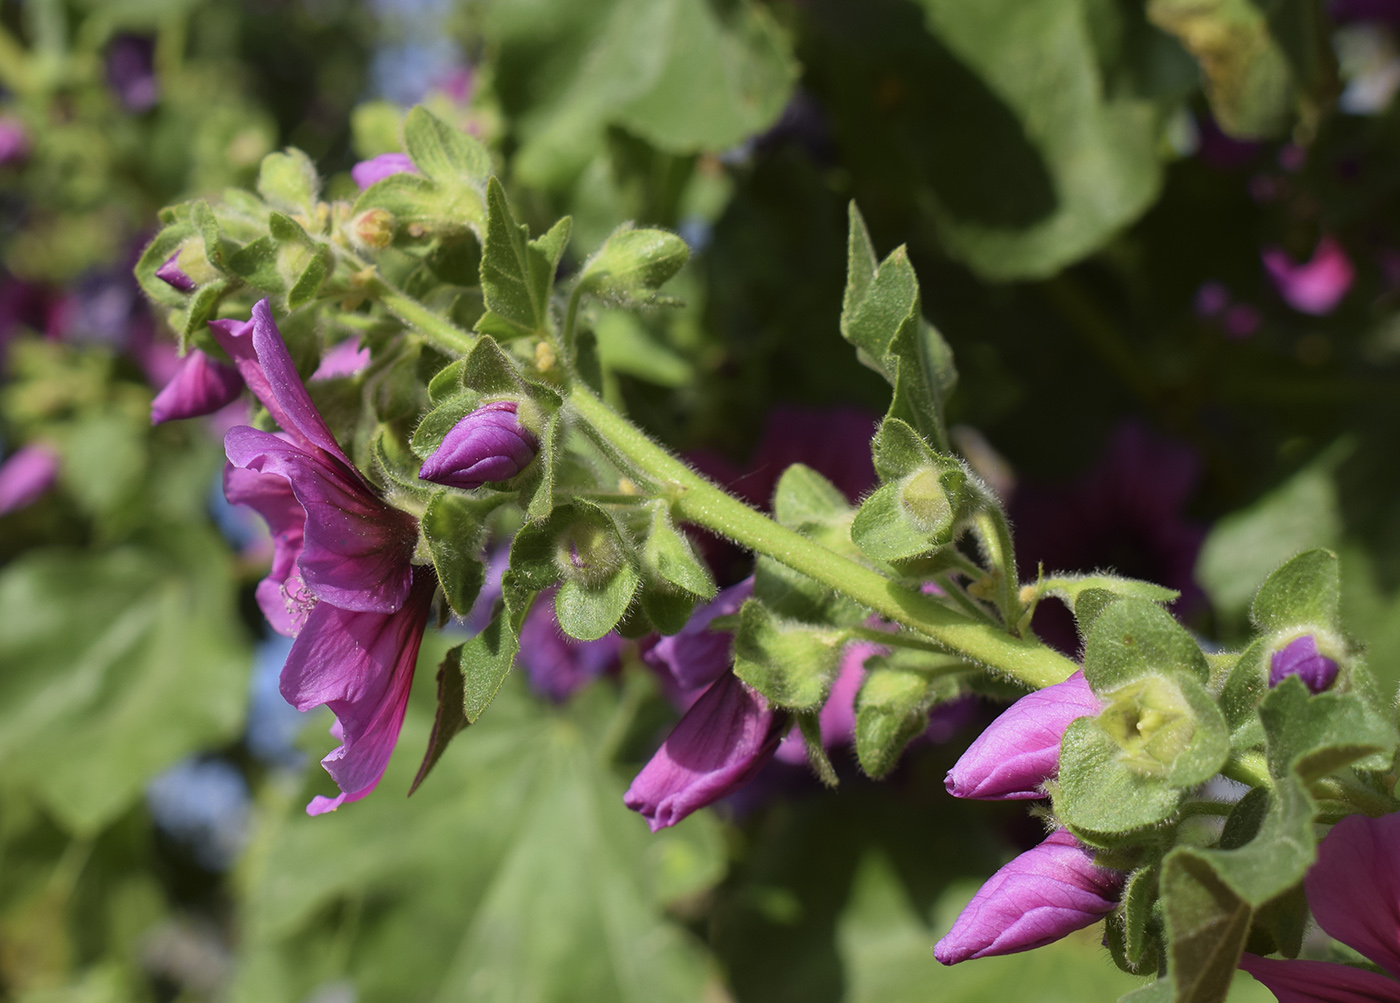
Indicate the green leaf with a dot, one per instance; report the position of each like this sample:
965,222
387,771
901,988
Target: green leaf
588,611
167,242
791,664
447,382
517,274
1134,638
428,436
309,282
445,154
633,264
1102,797
454,526
201,310
289,181
1207,924
207,226
806,498
1305,591
256,264
1068,588
484,662
603,578
667,555
1136,912
537,491
451,716
893,704
1312,735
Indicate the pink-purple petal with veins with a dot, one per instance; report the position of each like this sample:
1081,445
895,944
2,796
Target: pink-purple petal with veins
360,665
282,595
1320,981
356,549
202,385
1354,888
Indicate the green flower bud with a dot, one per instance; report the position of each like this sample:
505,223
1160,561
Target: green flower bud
1151,721
374,228
932,499
589,553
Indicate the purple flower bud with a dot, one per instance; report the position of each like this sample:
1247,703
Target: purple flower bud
26,475
726,737
1316,286
689,661
559,665
345,359
14,139
1300,657
489,444
202,385
1044,894
367,172
174,276
1020,750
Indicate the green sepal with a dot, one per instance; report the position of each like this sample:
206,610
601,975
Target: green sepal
202,307
1100,797
1133,638
805,498
446,155
1304,591
447,381
537,480
451,715
165,243
666,610
894,701
808,503
206,224
1207,925
912,516
1279,924
396,467
809,726
632,264
1169,727
517,274
595,595
792,664
675,579
318,268
428,436
1314,735
1139,919
897,450
256,264
411,199
793,595
289,181
454,526
490,372
1244,687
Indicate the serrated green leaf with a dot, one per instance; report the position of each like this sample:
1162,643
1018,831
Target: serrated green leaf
445,154
1207,924
791,664
1304,591
517,274
289,181
1134,638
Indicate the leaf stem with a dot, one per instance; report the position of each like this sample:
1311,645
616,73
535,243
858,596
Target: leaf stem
440,331
698,501
1250,768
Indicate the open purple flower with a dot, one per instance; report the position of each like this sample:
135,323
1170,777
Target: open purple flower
1300,657
367,172
489,444
1316,286
1020,750
1354,892
25,475
341,579
1044,894
202,385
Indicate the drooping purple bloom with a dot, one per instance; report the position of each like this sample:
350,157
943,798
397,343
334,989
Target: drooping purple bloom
14,139
1020,750
201,386
1354,892
131,71
1300,657
367,172
718,746
341,579
1047,892
1316,286
489,444
689,661
559,665
174,276
345,359
25,475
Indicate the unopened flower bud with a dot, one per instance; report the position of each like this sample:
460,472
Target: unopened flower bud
374,228
489,444
1152,723
1300,657
367,172
589,552
202,385
927,498
174,276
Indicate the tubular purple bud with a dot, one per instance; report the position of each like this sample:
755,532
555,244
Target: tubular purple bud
726,737
26,475
1020,750
489,444
174,276
367,172
202,385
1300,657
1044,894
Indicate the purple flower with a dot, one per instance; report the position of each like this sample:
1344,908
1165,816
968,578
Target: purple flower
341,581
26,475
1300,657
345,359
689,661
174,276
1044,894
557,664
720,744
489,444
367,172
14,139
1354,892
1317,285
131,71
201,386
1020,750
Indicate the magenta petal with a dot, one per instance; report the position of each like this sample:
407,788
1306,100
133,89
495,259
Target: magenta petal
716,748
1020,750
690,660
489,444
1047,892
360,665
174,276
345,359
1354,888
1316,286
282,595
201,386
1320,981
367,172
25,475
356,549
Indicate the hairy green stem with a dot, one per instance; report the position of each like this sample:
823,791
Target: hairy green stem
995,535
959,595
440,331
1249,768
698,501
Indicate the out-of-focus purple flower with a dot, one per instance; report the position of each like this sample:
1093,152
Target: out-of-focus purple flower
489,444
458,84
1046,893
1242,320
25,475
202,386
1317,285
1300,657
341,580
718,746
174,276
103,307
345,359
689,661
1020,750
367,172
1354,892
131,71
559,665
838,715
14,139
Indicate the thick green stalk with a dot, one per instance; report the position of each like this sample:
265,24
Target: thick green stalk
698,501
442,332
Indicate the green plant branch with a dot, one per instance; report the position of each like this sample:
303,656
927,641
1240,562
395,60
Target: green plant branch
698,501
995,536
1248,768
959,595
